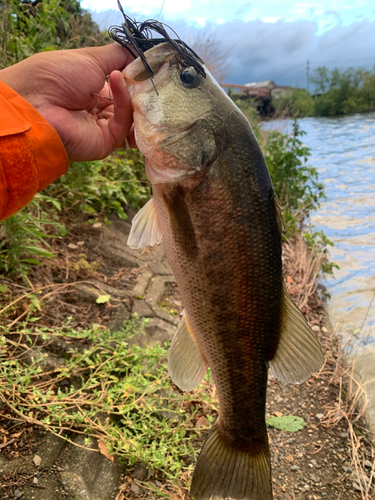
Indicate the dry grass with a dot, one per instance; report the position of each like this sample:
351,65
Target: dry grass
301,269
350,408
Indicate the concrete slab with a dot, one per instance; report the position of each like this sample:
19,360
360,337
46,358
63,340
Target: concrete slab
364,374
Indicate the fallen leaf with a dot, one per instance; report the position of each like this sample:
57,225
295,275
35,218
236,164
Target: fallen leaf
97,224
102,299
17,435
37,460
104,450
289,423
72,246
80,243
199,422
277,413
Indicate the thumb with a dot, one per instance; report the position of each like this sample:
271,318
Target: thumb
122,119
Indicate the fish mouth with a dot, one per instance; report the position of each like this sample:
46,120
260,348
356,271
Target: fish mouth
136,75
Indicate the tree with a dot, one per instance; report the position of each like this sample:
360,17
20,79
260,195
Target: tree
49,25
320,79
214,56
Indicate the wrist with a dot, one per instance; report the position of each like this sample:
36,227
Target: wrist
20,79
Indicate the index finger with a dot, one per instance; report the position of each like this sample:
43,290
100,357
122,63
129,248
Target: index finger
110,57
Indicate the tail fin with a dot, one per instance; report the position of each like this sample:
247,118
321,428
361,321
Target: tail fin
225,472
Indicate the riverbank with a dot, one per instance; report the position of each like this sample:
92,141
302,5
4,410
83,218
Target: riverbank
324,459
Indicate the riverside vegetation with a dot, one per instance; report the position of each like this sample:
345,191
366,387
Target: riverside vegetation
337,92
104,373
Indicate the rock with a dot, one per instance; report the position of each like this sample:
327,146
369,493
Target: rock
37,460
160,268
50,450
17,494
344,435
161,314
294,468
113,250
122,315
315,328
159,331
135,488
86,293
35,480
123,226
324,329
140,471
156,331
142,283
319,416
157,288
143,310
89,475
368,464
356,487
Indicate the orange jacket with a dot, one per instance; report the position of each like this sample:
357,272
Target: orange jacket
31,152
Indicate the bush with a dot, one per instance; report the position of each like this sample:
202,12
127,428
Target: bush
295,182
343,92
298,104
103,187
23,237
26,29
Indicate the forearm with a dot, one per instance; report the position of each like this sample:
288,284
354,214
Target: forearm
31,152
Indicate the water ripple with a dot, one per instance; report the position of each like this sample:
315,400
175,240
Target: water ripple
343,151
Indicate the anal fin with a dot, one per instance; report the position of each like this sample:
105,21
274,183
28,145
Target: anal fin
186,364
145,230
298,354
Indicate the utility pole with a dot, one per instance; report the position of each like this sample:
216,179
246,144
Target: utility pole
308,76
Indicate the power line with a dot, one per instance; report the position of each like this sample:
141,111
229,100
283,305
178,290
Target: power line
308,79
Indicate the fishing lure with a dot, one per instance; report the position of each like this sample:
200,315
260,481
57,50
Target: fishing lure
137,38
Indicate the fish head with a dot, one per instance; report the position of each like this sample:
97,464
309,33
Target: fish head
177,120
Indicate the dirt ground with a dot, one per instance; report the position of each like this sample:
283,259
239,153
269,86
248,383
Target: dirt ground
313,463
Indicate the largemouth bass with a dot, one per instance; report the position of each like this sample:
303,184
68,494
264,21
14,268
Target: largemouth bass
214,206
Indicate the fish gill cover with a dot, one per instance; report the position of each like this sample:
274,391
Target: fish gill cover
139,37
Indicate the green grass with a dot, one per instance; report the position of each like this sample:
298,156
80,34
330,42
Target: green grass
107,390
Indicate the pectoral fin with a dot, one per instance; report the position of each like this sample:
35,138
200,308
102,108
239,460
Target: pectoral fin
145,230
298,354
180,221
186,364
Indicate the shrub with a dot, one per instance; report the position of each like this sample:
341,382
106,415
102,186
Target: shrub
295,182
104,187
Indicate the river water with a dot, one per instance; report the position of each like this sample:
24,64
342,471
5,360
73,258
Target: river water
343,151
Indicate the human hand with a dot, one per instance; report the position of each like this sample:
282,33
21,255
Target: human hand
68,88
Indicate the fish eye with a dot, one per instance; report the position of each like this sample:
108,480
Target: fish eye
189,77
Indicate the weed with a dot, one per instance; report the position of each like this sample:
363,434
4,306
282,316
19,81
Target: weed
23,237
295,182
104,187
111,391
83,266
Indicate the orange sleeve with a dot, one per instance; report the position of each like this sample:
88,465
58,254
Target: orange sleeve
31,152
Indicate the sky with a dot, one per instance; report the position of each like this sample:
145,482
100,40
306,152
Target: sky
264,40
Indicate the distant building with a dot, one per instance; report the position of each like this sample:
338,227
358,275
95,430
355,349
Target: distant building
281,91
266,84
